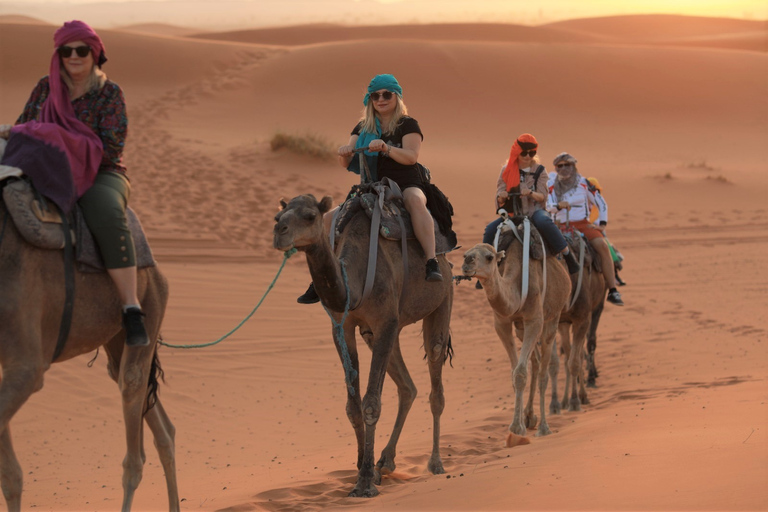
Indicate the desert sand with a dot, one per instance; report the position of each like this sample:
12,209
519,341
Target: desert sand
675,130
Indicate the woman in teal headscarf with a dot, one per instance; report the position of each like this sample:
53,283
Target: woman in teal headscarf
394,140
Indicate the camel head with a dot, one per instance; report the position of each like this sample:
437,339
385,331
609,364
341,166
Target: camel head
481,261
300,222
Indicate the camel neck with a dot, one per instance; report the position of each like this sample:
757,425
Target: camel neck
503,291
326,274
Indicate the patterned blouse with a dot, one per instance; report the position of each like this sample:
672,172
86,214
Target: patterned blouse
101,109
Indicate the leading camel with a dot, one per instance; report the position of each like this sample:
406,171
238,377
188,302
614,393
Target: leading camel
537,317
380,319
32,298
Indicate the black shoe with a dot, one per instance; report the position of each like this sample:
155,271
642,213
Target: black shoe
135,332
573,265
310,296
614,297
478,285
433,271
619,280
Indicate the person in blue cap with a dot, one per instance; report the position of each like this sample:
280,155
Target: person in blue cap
394,140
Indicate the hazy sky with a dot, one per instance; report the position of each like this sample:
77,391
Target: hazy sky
228,14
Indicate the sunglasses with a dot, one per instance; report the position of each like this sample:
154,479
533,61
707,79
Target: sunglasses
530,152
562,166
386,95
65,52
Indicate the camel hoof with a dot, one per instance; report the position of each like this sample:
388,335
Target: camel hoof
591,383
584,399
543,430
554,407
531,421
376,476
368,492
518,428
574,405
436,467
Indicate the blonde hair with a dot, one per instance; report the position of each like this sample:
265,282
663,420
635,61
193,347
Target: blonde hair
368,119
96,79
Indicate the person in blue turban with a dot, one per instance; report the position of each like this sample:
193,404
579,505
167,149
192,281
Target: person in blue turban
394,142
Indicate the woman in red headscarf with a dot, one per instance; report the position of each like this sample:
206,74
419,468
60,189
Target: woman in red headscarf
69,141
523,174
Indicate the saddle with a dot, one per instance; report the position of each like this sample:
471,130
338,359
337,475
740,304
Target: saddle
507,237
365,196
591,257
40,224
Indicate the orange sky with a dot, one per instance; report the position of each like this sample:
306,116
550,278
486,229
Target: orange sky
230,14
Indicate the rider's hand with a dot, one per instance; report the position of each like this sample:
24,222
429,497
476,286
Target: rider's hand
346,150
5,131
564,205
502,198
525,192
377,145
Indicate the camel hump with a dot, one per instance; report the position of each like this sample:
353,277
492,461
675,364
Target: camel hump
508,237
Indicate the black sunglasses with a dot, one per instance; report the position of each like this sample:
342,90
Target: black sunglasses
560,166
65,52
386,95
530,152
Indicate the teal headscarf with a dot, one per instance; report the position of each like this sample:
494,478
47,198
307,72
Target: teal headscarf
388,83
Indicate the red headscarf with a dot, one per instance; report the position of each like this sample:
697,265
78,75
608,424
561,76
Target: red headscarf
511,174
59,127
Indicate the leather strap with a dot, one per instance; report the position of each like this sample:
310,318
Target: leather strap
69,287
582,251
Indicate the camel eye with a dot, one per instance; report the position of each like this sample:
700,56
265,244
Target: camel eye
489,257
309,216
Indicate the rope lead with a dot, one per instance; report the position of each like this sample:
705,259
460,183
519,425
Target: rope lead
286,255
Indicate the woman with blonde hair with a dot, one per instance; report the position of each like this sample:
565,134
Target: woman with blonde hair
393,139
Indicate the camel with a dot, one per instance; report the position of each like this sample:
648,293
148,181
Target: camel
536,319
380,319
32,298
582,318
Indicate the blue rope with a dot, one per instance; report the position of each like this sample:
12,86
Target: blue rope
350,373
286,255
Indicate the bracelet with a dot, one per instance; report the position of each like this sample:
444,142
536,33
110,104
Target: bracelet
389,148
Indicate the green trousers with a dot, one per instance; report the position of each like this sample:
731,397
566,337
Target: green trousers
104,206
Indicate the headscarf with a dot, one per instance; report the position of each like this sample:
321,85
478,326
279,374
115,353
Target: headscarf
511,175
386,82
565,182
67,143
389,83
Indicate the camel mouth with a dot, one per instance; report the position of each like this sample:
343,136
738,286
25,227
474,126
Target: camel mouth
281,245
469,273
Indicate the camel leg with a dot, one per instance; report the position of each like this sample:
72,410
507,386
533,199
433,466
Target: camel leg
503,328
554,368
16,386
520,373
133,380
580,328
565,338
547,341
354,403
383,342
592,343
165,433
406,394
437,340
529,415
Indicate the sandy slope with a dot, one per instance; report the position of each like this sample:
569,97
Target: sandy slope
678,420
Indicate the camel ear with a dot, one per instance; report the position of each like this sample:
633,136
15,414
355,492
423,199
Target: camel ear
500,256
283,204
326,204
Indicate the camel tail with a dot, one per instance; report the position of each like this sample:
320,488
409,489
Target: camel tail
449,351
156,374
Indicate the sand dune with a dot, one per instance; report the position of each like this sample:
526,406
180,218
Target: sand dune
158,29
676,136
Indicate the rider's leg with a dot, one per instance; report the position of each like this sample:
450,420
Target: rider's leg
554,238
605,261
424,228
